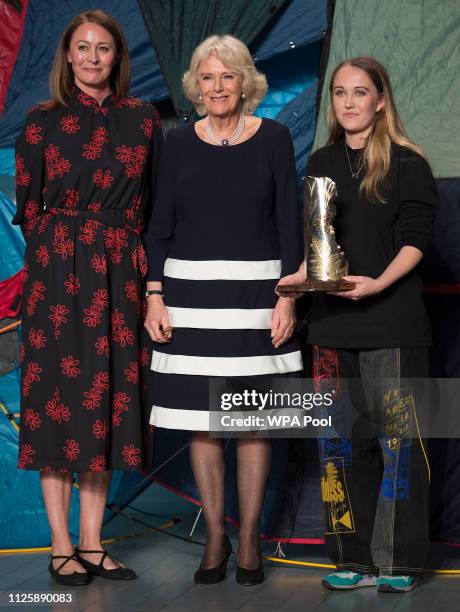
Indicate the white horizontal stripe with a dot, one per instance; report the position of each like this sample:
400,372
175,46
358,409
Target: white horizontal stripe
170,418
221,318
222,269
194,420
226,366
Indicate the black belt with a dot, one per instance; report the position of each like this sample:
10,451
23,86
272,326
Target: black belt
106,216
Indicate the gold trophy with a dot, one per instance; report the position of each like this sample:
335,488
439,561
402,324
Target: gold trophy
325,262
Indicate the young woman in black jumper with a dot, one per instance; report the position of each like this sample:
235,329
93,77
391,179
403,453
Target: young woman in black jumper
374,486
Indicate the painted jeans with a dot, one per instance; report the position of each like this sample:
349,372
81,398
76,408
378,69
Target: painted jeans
375,472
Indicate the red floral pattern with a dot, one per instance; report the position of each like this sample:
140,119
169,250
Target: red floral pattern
90,102
102,178
99,263
23,177
102,346
98,464
55,409
132,213
72,284
32,375
133,158
37,338
144,357
36,295
93,397
56,165
93,314
32,419
132,372
95,207
26,454
93,150
120,404
31,212
147,127
128,101
71,450
71,198
58,316
100,429
101,381
139,259
33,133
70,124
131,291
131,454
82,363
69,366
88,231
42,255
115,239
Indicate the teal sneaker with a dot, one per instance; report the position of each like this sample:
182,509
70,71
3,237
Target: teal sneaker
345,579
397,584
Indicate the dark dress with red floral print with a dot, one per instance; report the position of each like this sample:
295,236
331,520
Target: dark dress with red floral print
85,180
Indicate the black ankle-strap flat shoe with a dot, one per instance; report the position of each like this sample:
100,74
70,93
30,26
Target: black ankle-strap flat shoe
214,574
248,577
73,579
118,573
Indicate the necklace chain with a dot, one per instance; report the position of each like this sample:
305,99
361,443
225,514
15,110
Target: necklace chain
232,139
354,174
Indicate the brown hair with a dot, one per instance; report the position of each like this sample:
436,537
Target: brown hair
387,128
61,76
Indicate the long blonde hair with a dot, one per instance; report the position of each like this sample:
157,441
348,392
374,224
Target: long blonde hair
387,128
61,76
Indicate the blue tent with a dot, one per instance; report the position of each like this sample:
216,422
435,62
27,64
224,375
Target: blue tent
293,52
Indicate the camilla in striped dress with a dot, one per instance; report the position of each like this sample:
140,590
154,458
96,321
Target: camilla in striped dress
224,230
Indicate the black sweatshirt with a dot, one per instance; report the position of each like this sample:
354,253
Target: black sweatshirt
226,203
372,234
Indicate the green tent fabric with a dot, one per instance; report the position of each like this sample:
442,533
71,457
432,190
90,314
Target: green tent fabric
176,27
417,41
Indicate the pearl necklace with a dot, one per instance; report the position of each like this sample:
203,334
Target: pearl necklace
232,139
354,174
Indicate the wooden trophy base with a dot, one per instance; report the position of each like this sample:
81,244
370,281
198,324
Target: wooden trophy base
315,285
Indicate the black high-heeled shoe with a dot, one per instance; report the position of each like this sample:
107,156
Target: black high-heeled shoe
214,574
118,573
250,577
73,579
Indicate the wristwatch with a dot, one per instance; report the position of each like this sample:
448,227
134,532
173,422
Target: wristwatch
153,292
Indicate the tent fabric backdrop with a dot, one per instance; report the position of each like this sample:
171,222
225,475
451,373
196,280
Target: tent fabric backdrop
418,43
12,17
299,23
293,78
293,509
292,72
45,22
176,27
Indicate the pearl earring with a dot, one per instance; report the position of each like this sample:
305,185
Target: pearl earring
200,98
243,96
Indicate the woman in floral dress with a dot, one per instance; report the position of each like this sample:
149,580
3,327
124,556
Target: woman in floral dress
86,169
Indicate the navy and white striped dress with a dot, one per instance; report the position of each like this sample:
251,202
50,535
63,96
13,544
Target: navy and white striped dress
225,228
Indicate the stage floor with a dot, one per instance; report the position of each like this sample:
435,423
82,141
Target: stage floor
165,566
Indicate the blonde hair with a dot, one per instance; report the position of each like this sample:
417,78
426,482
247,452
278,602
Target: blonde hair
61,77
235,55
387,128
